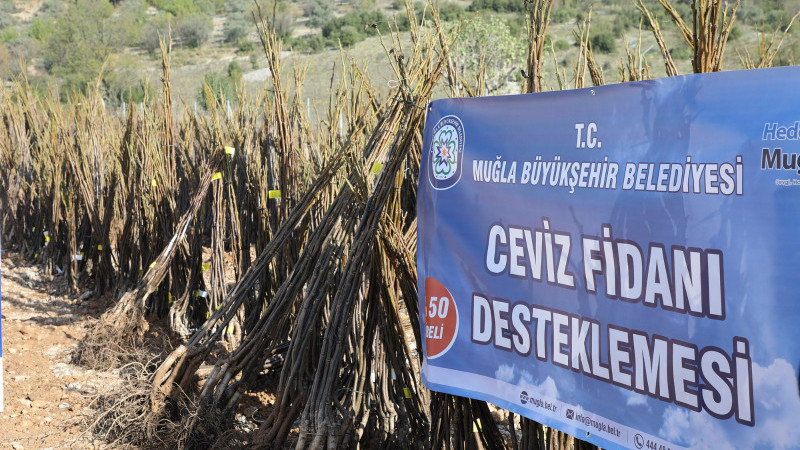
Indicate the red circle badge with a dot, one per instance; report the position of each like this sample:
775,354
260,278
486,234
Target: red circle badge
440,318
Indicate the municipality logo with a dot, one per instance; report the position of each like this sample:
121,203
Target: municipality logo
446,153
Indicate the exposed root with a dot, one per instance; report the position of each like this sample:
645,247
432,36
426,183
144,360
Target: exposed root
123,412
102,352
233,439
112,341
112,344
125,416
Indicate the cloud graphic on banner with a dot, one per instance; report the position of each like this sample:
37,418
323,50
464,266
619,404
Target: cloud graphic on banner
704,431
545,389
633,398
777,408
777,405
505,373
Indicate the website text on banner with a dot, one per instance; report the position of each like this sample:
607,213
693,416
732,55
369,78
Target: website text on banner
619,262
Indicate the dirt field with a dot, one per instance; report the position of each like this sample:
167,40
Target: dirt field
47,399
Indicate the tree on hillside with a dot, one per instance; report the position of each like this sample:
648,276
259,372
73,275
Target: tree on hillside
194,29
238,23
79,43
319,12
130,21
278,14
235,29
156,29
487,44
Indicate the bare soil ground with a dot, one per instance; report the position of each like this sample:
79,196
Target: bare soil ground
47,398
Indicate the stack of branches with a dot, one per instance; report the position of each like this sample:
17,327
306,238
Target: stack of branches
538,20
711,26
339,337
768,48
59,182
712,22
634,67
586,60
333,332
161,214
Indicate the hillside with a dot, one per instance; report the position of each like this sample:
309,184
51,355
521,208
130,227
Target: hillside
63,46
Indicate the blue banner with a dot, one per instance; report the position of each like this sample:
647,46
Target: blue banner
620,262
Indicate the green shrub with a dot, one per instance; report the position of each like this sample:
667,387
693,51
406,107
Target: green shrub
8,35
503,52
284,17
6,9
362,5
154,31
235,29
313,43
603,41
235,72
561,45
348,35
681,53
517,26
353,27
775,18
750,13
788,55
223,87
40,29
625,19
502,6
449,12
123,83
184,7
130,22
51,8
736,33
319,12
194,29
245,45
562,14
